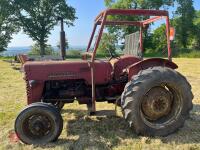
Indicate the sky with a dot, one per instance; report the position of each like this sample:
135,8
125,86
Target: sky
79,34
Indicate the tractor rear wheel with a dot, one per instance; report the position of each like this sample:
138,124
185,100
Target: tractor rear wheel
157,101
39,123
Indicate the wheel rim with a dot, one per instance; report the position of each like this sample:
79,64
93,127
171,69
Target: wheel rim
37,126
160,106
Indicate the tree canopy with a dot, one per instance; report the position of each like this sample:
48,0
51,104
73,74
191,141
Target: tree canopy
8,24
38,17
35,50
132,4
185,27
197,30
107,44
185,21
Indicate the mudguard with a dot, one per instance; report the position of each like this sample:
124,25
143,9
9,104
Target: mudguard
147,63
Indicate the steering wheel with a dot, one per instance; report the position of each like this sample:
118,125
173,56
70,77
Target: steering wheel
112,55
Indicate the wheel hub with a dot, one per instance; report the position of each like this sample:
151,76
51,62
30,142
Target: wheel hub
157,103
39,125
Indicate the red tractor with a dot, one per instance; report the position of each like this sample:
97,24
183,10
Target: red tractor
155,99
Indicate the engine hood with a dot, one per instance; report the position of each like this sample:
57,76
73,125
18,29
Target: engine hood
64,70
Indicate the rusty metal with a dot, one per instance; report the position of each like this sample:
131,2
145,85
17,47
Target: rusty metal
127,23
62,39
101,19
92,36
157,103
132,44
168,40
96,72
141,42
147,63
151,20
143,12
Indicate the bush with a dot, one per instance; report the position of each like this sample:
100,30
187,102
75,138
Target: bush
35,50
176,53
108,42
73,54
191,54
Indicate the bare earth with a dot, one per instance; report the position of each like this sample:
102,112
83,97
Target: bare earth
105,131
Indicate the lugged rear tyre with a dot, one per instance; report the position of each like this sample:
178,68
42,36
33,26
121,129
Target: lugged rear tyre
157,101
39,123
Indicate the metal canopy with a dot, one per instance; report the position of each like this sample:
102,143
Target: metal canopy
102,20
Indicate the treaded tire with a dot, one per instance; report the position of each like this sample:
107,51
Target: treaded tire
52,120
56,108
140,84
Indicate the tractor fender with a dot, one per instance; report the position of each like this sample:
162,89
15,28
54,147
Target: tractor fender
147,63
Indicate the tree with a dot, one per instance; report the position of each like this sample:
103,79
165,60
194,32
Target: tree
8,24
38,17
185,26
159,39
108,43
197,30
35,50
66,44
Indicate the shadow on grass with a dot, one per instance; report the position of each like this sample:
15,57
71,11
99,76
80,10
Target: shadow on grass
102,131
15,65
190,133
108,131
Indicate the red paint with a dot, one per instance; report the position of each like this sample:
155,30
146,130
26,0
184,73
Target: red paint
102,20
63,70
144,64
120,64
95,72
13,137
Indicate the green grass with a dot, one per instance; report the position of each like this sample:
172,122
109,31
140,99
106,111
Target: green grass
176,53
96,132
192,54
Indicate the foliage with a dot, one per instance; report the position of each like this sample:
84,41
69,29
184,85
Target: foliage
185,53
159,38
73,54
184,22
191,54
35,50
66,44
196,37
108,43
132,4
8,24
38,17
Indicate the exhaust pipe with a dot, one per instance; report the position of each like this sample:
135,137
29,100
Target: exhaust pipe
62,39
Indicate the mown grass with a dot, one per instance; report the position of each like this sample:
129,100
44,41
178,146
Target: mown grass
96,132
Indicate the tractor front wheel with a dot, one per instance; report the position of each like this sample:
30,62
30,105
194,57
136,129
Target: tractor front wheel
38,123
157,101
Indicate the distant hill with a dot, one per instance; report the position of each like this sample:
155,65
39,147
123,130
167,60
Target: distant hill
12,51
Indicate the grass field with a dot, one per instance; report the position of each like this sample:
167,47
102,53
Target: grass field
100,132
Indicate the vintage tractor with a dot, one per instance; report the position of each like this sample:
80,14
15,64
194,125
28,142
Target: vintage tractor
155,99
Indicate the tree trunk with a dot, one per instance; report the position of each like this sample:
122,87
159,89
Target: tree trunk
42,49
